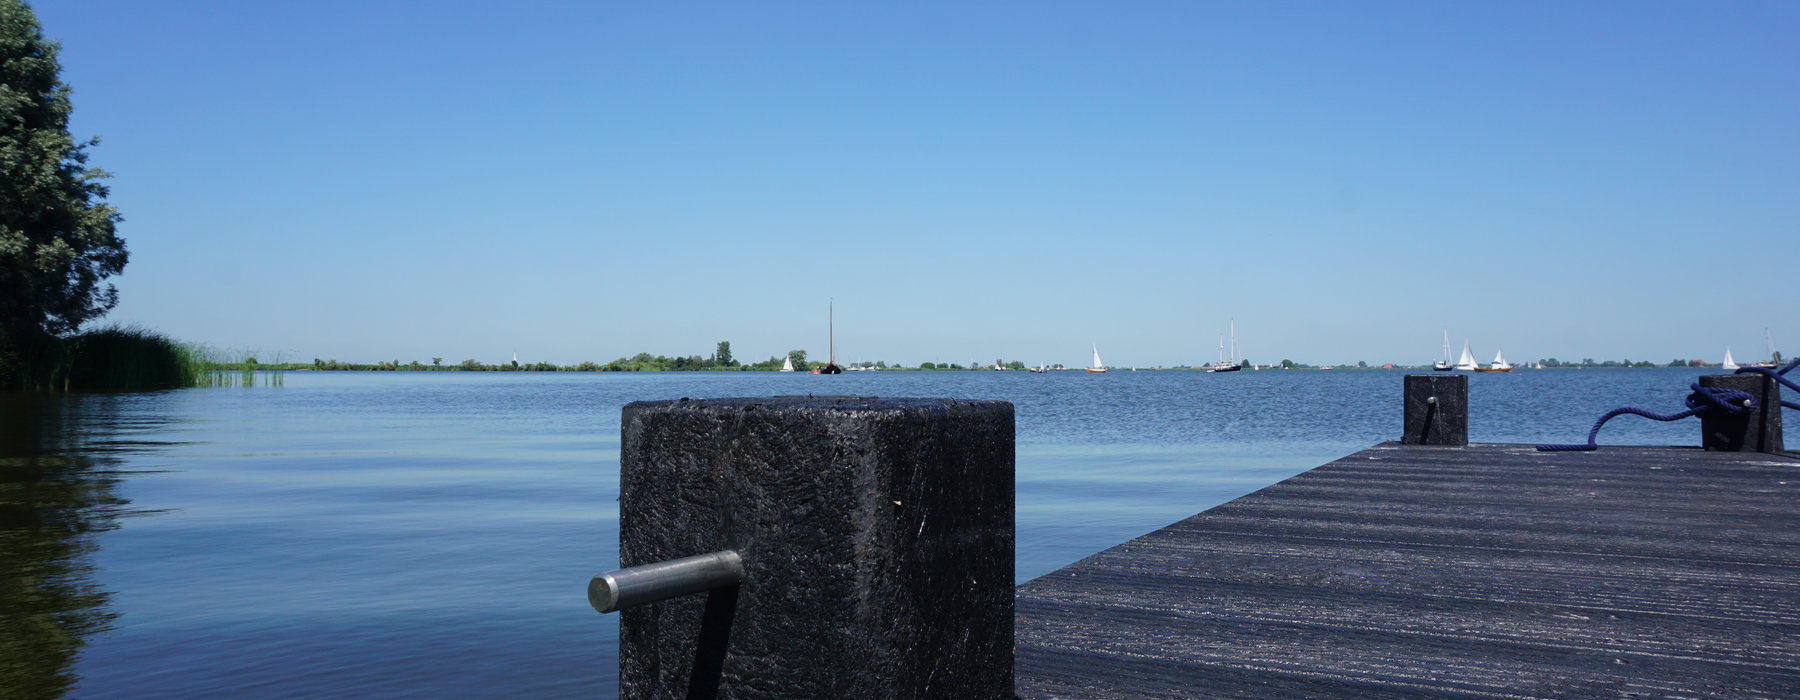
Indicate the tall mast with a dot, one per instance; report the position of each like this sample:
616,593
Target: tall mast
831,332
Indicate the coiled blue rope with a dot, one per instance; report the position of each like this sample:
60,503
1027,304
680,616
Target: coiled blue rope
1777,375
1704,399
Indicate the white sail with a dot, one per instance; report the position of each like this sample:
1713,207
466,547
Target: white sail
1446,346
1500,361
1467,361
1729,363
1097,366
787,365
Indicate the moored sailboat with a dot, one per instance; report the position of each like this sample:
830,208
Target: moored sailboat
831,365
1444,364
1227,366
1774,357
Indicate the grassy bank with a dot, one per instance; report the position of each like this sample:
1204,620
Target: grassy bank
118,358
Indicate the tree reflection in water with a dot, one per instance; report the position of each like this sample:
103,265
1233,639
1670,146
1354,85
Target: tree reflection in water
58,476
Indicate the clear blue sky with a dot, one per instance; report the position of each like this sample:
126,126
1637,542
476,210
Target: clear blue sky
586,180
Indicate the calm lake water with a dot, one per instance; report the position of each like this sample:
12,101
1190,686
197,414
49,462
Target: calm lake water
432,534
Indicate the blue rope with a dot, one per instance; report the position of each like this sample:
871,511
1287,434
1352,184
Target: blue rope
1705,399
1776,374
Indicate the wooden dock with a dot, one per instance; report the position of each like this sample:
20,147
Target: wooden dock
1491,570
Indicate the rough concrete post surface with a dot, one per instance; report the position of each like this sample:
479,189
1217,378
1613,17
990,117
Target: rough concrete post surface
877,545
1758,431
1437,410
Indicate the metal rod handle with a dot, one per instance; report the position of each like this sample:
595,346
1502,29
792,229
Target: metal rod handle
648,583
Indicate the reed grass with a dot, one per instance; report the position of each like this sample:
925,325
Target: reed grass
234,368
124,358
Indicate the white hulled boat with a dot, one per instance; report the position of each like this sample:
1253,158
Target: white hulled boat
1728,364
1444,364
1773,360
1467,362
1232,365
1097,366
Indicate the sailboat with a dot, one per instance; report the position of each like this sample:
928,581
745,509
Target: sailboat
1728,364
1444,364
1499,365
1467,361
831,365
1770,363
1097,367
1222,365
787,364
1040,369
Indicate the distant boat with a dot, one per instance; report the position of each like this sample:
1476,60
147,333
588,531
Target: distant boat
1499,365
1444,364
1770,363
1728,363
787,365
1222,365
1097,366
831,365
1040,369
1467,362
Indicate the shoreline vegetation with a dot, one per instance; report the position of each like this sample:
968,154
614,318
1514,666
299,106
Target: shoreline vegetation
127,358
722,362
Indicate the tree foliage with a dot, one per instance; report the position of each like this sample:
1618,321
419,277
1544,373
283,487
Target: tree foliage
58,241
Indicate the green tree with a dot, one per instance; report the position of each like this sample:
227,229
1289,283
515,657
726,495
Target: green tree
58,241
723,354
799,358
437,361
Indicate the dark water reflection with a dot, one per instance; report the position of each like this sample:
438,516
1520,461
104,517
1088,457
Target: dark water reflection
58,490
431,534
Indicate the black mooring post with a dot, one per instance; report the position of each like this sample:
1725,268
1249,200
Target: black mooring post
1756,431
875,539
1437,410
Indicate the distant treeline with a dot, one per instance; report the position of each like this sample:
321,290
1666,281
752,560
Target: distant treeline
641,362
722,361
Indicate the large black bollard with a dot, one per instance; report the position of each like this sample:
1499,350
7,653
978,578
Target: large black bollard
1757,431
875,538
1437,410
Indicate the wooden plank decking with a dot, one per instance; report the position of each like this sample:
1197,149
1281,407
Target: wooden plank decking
1492,570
